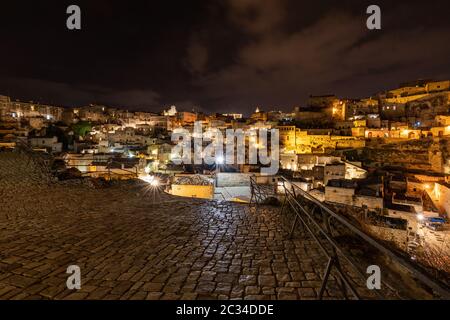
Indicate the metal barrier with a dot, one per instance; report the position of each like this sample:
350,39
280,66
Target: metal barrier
260,192
322,224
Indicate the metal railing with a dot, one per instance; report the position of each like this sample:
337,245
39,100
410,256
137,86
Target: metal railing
324,226
260,192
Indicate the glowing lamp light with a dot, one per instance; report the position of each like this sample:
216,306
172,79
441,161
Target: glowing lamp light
219,160
152,180
420,217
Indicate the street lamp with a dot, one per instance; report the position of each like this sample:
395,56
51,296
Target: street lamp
219,160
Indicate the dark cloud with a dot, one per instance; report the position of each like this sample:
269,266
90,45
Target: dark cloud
197,57
255,16
59,93
226,55
335,54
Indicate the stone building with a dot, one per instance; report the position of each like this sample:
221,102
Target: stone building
18,110
294,140
334,172
351,193
435,157
49,143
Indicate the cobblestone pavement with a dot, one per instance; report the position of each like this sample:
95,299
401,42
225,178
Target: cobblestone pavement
131,244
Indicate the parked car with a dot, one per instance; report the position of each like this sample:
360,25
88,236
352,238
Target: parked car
436,224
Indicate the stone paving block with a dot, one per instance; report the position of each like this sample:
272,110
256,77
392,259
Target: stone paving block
268,281
20,281
77,296
98,294
306,292
129,248
188,296
252,290
223,288
247,280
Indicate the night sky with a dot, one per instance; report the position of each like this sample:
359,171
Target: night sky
217,55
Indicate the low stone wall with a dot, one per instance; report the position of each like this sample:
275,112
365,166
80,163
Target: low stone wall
193,191
395,236
225,179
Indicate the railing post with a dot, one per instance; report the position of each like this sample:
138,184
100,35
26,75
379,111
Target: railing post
285,197
325,277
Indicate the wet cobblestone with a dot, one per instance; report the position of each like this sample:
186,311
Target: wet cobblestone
131,244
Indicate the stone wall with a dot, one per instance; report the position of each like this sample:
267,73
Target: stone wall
348,197
369,202
395,236
441,196
225,179
191,191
